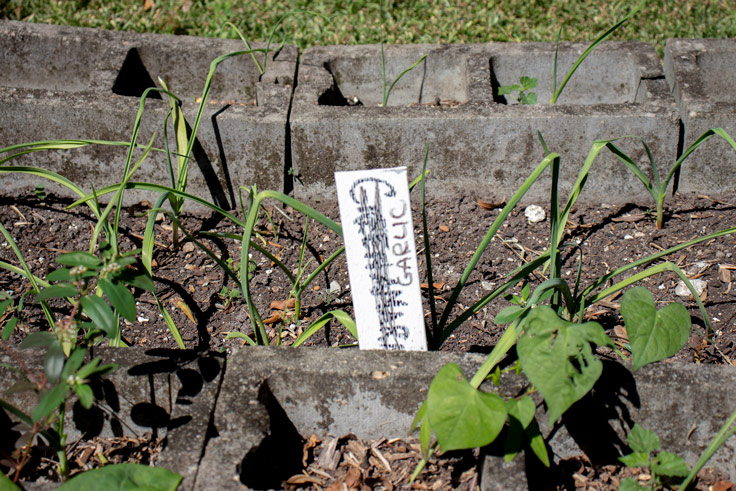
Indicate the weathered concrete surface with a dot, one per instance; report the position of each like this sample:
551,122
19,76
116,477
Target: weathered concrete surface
685,404
701,75
77,83
272,399
478,140
170,393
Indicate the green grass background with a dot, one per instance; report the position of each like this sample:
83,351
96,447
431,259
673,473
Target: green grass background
406,21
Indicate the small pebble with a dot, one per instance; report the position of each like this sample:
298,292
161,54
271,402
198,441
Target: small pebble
335,287
681,289
534,214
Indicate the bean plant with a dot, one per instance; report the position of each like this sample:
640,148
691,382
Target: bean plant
547,326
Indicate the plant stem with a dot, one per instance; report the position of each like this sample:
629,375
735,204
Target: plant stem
61,451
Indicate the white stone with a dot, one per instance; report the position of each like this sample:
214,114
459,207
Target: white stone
681,290
335,287
534,214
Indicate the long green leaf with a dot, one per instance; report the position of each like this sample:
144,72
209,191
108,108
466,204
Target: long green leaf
590,48
27,273
339,315
487,239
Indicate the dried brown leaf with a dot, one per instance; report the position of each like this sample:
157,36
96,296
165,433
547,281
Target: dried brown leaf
491,205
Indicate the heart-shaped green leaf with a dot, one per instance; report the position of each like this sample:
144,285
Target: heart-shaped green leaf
460,415
557,357
124,476
653,335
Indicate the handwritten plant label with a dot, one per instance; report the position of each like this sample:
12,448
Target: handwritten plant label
379,244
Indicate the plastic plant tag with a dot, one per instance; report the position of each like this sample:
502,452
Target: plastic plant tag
379,245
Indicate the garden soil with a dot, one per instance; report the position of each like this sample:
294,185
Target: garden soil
194,289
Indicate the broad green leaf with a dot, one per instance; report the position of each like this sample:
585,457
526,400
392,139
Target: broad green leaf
122,477
642,440
536,442
57,291
521,413
53,362
631,484
636,459
49,402
74,362
528,98
95,367
669,464
61,274
557,357
522,410
461,416
6,484
653,335
507,89
8,328
79,258
120,298
528,82
36,339
100,313
84,392
137,279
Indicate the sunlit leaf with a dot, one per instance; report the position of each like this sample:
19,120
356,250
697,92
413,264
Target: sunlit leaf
462,416
124,477
557,357
653,335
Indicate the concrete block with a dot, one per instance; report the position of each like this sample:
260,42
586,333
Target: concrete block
169,393
477,140
700,73
272,400
246,424
64,82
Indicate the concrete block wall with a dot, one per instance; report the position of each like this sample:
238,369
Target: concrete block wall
77,83
702,78
478,141
244,422
64,82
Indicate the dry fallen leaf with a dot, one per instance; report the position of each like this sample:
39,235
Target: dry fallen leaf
283,304
491,205
436,285
187,311
722,486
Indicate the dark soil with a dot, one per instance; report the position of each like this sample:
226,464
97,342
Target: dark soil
189,283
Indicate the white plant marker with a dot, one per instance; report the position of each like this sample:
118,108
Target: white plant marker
379,245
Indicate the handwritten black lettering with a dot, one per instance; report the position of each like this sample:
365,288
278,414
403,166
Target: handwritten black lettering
375,239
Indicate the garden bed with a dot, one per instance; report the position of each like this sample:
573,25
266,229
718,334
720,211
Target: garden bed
190,284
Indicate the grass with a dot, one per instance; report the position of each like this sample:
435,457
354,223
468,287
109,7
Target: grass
406,21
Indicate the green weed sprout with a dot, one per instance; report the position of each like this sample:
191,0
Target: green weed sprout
262,66
647,454
657,187
523,87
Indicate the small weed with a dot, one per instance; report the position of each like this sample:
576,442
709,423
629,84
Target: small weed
523,87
